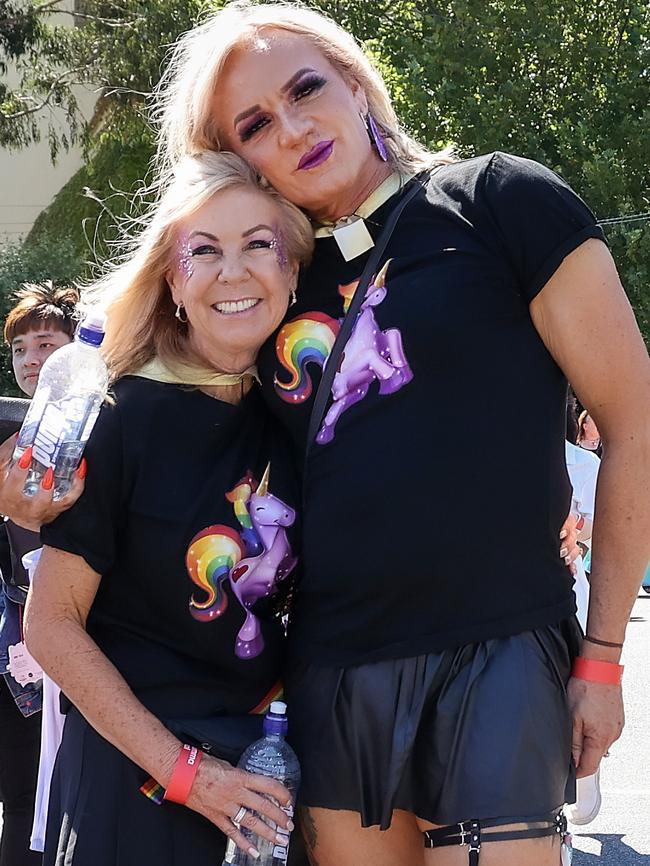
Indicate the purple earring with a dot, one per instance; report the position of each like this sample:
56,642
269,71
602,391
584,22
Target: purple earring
376,137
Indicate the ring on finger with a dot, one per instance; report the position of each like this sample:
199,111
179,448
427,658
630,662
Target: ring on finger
239,817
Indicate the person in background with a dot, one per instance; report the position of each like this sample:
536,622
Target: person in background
43,319
588,435
582,467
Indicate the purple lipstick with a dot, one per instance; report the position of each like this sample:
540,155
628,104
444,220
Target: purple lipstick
317,155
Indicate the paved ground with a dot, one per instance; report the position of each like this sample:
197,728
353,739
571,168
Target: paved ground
620,835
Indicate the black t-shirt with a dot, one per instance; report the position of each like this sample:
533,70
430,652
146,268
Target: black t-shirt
163,518
432,517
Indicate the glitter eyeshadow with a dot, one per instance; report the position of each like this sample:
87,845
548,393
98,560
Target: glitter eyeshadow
184,257
279,246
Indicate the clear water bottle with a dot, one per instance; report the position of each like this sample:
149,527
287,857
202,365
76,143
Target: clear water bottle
71,388
270,756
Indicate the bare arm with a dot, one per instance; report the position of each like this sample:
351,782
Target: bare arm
585,320
59,601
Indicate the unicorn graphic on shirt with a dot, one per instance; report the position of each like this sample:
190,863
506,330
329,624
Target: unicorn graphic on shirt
370,354
252,561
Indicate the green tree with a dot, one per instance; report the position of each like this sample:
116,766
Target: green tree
562,82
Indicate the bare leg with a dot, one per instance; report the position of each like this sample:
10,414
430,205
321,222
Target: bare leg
336,838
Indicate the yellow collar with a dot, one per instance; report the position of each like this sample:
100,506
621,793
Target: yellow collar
187,374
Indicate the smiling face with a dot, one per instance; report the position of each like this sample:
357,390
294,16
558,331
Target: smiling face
232,276
282,106
29,351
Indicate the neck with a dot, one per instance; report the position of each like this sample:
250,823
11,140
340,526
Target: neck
221,362
350,200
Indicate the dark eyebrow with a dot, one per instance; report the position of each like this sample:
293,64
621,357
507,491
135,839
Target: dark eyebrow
295,78
205,235
255,229
245,114
249,111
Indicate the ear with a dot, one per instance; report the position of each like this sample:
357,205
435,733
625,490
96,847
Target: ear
359,96
174,285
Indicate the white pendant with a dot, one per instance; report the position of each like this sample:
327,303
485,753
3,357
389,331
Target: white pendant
353,238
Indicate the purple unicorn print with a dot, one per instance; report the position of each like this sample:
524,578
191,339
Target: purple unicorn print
369,354
256,577
252,561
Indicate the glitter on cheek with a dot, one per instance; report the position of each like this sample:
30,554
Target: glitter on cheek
184,256
279,246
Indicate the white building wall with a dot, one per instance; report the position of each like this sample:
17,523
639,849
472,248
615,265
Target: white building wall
28,180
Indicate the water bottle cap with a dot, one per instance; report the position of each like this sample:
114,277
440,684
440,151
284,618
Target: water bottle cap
92,327
275,721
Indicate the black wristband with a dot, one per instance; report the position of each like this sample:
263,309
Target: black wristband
608,643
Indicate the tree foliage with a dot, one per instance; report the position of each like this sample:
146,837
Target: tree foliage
561,81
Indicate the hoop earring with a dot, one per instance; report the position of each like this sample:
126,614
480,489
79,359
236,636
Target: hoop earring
294,298
182,320
376,137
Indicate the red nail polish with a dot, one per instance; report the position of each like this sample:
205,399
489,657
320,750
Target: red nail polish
82,469
48,479
26,458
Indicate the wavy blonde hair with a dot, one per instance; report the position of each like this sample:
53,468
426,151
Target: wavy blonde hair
134,291
184,96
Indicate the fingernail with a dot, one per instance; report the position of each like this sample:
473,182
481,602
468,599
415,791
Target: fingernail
567,560
26,458
282,838
564,551
290,826
48,479
82,469
254,853
563,534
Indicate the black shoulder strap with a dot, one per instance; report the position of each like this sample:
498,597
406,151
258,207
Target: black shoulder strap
331,366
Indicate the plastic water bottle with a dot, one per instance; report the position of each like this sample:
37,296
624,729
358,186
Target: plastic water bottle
71,388
270,756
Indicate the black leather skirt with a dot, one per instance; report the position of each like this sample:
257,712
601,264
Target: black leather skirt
481,731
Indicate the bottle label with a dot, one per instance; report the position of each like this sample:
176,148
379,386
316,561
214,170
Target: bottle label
49,435
58,431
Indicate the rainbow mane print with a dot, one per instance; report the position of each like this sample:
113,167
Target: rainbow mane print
308,339
210,556
253,561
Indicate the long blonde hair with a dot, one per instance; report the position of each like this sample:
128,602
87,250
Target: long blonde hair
184,97
134,291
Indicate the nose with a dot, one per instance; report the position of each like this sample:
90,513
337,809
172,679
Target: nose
31,359
292,128
233,269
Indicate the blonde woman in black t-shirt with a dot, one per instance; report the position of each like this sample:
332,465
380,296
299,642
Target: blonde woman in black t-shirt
153,607
430,678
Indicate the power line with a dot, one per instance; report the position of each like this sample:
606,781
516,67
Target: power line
636,217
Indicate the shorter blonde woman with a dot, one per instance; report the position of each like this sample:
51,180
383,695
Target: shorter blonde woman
157,618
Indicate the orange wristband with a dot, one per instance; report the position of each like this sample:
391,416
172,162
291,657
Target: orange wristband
182,778
594,671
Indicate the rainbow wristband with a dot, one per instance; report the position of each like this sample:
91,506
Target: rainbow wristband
608,673
180,784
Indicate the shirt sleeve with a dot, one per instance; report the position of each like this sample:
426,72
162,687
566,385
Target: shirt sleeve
91,528
538,217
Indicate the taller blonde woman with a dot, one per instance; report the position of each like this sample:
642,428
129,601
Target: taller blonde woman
155,611
434,707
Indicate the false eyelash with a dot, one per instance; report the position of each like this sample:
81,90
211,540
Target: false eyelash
309,84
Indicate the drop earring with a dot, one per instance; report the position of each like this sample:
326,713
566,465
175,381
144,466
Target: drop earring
376,137
294,298
180,307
